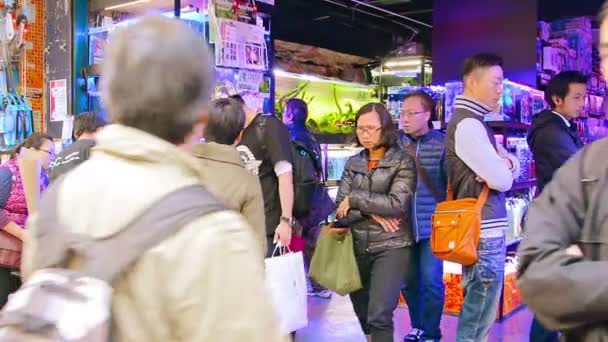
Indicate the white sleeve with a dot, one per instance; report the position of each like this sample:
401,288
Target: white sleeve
505,154
282,167
474,148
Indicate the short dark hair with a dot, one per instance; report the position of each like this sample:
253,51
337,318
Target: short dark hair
298,108
226,121
87,122
427,102
388,128
560,85
482,60
238,98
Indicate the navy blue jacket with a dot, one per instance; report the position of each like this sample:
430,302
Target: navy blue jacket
430,150
552,143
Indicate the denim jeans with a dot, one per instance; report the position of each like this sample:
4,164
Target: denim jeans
482,283
382,275
425,290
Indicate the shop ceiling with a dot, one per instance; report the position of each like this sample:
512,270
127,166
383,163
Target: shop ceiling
370,28
374,28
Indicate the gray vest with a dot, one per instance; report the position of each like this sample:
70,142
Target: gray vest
463,178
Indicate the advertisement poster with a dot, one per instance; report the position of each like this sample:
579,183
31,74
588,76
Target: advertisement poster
240,46
232,81
58,99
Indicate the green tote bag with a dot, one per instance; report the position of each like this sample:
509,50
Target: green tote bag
333,264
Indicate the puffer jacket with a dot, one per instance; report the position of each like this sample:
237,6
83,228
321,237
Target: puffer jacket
430,150
386,191
190,286
572,209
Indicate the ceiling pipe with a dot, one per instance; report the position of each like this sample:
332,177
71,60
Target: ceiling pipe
414,30
392,13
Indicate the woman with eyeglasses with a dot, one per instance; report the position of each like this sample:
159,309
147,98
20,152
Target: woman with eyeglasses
374,200
14,207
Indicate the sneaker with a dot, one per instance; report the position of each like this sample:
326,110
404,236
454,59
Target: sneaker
325,294
414,336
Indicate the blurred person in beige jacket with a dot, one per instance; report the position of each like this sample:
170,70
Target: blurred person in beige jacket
223,170
157,75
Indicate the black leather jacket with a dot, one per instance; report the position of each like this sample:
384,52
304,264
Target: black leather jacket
386,191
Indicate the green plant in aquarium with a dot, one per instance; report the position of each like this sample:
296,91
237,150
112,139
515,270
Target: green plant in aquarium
281,100
336,122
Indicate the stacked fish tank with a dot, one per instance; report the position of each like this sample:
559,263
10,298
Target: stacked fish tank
332,104
332,107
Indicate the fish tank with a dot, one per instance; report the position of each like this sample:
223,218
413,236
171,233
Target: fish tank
332,104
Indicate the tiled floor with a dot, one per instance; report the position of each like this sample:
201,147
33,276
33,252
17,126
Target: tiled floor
334,321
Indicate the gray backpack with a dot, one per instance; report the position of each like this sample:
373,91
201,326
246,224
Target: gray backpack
58,304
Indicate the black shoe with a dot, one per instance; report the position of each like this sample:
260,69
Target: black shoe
414,336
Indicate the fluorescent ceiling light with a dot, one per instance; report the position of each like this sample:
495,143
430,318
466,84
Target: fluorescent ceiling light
126,4
281,73
403,63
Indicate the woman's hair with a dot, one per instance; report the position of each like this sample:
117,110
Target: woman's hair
388,128
35,141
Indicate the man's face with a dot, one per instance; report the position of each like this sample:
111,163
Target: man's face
573,104
485,84
287,117
414,117
603,47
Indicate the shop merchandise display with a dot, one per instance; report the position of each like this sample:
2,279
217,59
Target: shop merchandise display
518,146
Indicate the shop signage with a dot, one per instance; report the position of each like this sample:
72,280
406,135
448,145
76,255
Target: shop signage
249,80
33,93
58,99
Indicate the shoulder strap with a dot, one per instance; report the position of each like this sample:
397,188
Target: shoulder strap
259,129
107,257
424,175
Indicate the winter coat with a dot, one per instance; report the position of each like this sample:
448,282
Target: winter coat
430,150
203,283
386,191
552,143
569,293
226,177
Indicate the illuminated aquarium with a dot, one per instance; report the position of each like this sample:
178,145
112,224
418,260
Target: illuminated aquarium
332,104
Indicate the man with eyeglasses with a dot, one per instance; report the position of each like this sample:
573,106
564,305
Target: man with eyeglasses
424,290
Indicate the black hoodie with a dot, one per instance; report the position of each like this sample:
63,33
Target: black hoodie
552,143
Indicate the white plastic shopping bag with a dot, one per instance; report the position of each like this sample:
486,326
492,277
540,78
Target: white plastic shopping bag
286,280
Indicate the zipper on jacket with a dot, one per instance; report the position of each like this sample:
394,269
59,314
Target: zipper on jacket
415,213
369,189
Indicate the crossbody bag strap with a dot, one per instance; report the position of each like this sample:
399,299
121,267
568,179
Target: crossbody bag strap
107,257
424,175
483,198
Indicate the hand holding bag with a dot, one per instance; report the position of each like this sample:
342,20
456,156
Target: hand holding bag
286,280
333,264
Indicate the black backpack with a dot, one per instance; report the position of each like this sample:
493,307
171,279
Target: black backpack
306,178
